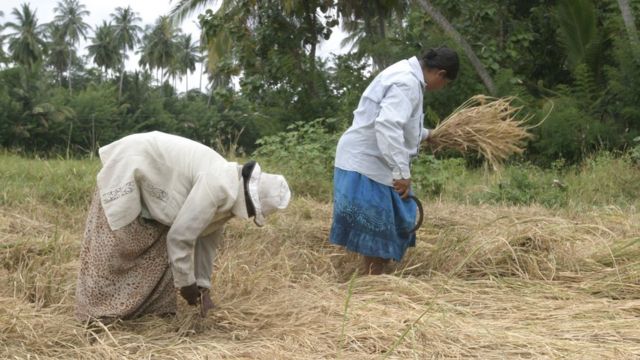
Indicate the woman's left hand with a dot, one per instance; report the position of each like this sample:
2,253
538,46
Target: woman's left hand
190,293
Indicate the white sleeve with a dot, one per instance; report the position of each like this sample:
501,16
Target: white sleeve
395,112
204,254
195,215
425,134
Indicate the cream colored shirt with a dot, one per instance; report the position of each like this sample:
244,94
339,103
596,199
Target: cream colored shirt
180,183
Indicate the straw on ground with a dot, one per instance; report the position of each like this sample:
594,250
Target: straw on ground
490,282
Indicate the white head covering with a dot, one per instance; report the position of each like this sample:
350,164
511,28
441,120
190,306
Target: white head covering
268,193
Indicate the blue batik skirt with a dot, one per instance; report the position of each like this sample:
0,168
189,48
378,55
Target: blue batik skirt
370,218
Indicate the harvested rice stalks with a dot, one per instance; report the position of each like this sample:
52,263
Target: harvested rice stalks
485,125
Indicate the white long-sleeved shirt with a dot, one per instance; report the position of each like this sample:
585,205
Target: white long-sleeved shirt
388,125
179,183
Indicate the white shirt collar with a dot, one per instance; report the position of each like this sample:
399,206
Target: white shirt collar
240,206
416,69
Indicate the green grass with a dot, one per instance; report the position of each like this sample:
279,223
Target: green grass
603,180
56,182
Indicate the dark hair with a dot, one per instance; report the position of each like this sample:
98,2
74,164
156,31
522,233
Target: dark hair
442,58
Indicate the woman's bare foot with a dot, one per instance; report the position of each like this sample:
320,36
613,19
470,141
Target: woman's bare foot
374,265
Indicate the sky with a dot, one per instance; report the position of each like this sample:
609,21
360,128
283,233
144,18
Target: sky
149,11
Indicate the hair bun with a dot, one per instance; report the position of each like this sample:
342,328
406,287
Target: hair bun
431,54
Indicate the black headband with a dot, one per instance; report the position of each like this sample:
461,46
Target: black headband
247,169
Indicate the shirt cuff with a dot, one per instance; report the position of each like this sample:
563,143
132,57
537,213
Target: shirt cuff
204,283
401,174
182,279
425,133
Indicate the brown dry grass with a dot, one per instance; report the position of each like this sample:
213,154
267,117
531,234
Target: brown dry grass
486,282
488,126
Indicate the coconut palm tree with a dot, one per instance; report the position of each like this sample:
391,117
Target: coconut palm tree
220,45
202,57
145,51
303,13
69,14
58,54
125,22
104,49
25,42
187,57
161,44
367,21
174,73
184,8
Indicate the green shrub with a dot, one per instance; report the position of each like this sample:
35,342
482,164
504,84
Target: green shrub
570,133
525,184
304,154
431,176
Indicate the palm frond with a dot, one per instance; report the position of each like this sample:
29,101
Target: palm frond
184,8
577,28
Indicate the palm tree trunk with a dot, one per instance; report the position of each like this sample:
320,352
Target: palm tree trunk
121,73
162,77
201,72
451,31
69,69
369,33
384,59
210,96
121,81
312,22
630,24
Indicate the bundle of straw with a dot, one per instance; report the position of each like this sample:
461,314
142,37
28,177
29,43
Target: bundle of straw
485,125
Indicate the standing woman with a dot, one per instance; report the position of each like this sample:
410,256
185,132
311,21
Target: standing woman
372,214
156,217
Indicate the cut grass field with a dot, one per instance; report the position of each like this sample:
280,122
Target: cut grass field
485,281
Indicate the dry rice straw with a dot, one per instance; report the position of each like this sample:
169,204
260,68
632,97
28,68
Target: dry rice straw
489,126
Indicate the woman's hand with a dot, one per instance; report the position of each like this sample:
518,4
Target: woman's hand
403,187
205,301
190,293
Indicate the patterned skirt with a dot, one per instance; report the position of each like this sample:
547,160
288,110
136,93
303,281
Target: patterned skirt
370,218
125,273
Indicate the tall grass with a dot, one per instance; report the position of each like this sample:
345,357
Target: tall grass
58,182
604,179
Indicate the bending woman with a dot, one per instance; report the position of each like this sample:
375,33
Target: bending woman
155,219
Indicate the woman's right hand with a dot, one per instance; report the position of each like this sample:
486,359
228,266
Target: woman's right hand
403,187
191,293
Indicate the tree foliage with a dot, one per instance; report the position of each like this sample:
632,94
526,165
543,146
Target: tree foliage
569,59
